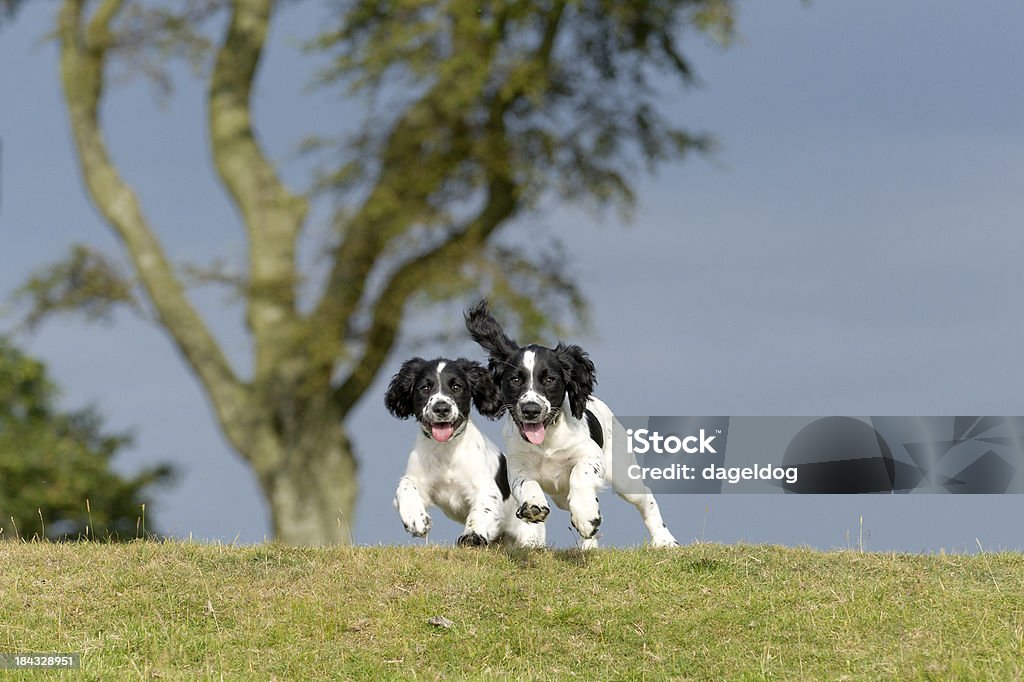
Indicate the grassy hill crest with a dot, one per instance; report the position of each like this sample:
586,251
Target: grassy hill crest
175,610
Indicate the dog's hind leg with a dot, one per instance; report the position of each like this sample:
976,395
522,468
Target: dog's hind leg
649,512
618,461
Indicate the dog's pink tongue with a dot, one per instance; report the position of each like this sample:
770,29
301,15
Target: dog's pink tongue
441,432
534,433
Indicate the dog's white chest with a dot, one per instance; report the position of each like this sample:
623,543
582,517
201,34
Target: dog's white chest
553,472
452,500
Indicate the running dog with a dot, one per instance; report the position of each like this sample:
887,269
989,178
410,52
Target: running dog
452,464
558,435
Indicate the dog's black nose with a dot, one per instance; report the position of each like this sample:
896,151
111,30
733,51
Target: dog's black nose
530,411
442,409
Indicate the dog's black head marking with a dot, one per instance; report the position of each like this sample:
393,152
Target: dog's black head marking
439,392
533,381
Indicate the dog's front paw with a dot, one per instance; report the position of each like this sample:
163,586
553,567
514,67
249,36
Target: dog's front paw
533,513
663,538
585,515
419,525
587,528
471,539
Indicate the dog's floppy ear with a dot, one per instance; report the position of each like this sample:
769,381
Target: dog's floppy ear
482,388
579,374
398,399
486,331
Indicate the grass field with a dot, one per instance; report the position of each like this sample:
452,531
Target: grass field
152,610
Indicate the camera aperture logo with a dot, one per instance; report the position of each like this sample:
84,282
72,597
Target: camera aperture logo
650,442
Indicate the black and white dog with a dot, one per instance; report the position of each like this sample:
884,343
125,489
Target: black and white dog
453,464
558,436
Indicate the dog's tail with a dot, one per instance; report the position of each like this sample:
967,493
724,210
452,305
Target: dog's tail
486,331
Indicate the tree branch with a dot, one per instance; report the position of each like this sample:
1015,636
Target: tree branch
97,31
273,216
410,278
82,62
397,201
501,204
421,153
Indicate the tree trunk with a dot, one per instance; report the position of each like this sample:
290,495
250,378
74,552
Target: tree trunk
312,490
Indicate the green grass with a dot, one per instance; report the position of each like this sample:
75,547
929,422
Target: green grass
189,611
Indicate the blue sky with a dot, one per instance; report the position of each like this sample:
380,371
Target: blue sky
852,247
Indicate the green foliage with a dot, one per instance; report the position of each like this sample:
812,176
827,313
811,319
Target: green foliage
577,83
55,476
520,284
85,282
558,100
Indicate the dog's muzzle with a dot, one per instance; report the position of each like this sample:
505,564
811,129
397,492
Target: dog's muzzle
441,411
532,420
440,417
531,411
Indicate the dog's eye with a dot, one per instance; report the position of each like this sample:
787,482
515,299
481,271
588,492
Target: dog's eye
548,380
425,388
456,386
515,381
